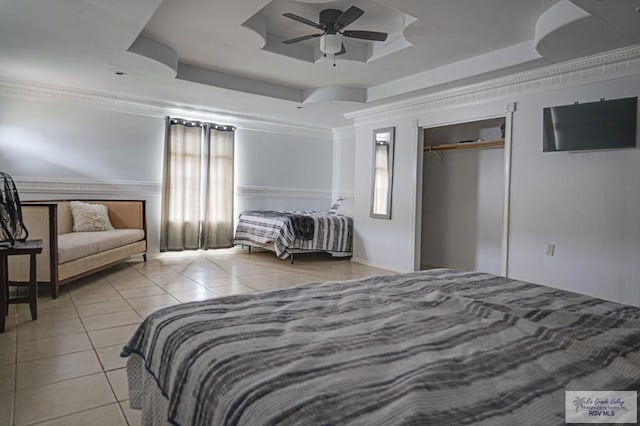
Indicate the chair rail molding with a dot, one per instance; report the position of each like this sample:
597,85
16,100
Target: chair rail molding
346,193
248,191
54,186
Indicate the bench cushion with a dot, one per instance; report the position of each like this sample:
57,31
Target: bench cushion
75,245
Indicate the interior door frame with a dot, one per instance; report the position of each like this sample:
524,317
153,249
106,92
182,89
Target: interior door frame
508,117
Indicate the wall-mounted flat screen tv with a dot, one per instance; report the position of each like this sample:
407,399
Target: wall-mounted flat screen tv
605,124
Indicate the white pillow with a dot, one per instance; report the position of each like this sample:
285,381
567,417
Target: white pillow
346,207
334,208
342,206
89,217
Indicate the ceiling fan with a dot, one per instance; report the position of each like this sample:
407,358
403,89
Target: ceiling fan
332,23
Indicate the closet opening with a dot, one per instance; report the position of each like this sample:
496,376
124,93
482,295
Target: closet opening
465,188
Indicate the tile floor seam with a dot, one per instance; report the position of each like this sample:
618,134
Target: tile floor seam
83,323
93,347
71,414
113,388
67,414
124,415
55,382
51,356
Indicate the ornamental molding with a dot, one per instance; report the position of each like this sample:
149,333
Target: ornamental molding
57,186
88,99
347,193
615,64
60,186
247,191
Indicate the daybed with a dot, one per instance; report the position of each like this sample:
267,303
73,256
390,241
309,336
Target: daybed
69,255
430,348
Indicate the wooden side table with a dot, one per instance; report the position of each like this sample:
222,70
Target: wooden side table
31,248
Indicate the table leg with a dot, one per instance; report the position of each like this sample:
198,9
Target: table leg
33,287
3,292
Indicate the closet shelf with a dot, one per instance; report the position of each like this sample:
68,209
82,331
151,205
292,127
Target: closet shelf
466,145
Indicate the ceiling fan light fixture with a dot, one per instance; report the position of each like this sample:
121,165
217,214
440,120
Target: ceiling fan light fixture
331,44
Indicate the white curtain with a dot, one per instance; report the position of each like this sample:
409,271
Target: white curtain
217,229
197,201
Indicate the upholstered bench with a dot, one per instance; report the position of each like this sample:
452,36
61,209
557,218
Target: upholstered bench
69,255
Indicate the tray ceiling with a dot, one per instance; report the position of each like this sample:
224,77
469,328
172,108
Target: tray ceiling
227,56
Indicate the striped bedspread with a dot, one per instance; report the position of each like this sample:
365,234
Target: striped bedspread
426,348
331,232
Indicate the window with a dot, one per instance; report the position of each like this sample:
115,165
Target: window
197,202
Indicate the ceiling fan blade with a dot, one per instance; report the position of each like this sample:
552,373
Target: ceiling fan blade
302,20
366,35
303,38
348,16
342,51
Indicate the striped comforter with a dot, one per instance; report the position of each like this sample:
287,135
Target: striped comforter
331,232
427,348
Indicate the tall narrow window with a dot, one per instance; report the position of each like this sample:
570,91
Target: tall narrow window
197,193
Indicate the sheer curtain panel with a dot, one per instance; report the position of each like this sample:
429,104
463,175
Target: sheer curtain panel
217,224
197,196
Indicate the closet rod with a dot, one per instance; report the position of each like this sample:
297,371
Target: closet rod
466,145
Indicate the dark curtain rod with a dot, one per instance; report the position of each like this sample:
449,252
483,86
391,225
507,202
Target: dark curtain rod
195,123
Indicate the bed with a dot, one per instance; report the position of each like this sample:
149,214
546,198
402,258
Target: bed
290,232
430,348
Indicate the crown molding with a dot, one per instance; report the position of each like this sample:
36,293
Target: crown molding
49,185
150,108
247,191
32,91
614,64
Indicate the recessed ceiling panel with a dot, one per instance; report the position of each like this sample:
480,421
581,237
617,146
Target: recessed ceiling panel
275,28
423,35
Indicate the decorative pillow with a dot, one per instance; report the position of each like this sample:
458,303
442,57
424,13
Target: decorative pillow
334,208
89,217
345,208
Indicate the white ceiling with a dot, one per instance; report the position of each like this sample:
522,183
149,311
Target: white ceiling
226,56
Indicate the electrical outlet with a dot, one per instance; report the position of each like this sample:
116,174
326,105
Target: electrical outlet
551,248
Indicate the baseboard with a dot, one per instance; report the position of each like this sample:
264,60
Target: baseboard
379,266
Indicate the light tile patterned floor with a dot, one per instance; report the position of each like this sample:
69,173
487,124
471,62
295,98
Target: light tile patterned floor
65,368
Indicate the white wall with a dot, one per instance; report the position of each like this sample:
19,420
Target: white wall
280,171
71,151
342,178
462,209
63,141
588,204
386,243
62,147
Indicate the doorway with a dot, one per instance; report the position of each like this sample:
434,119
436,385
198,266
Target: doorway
465,176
